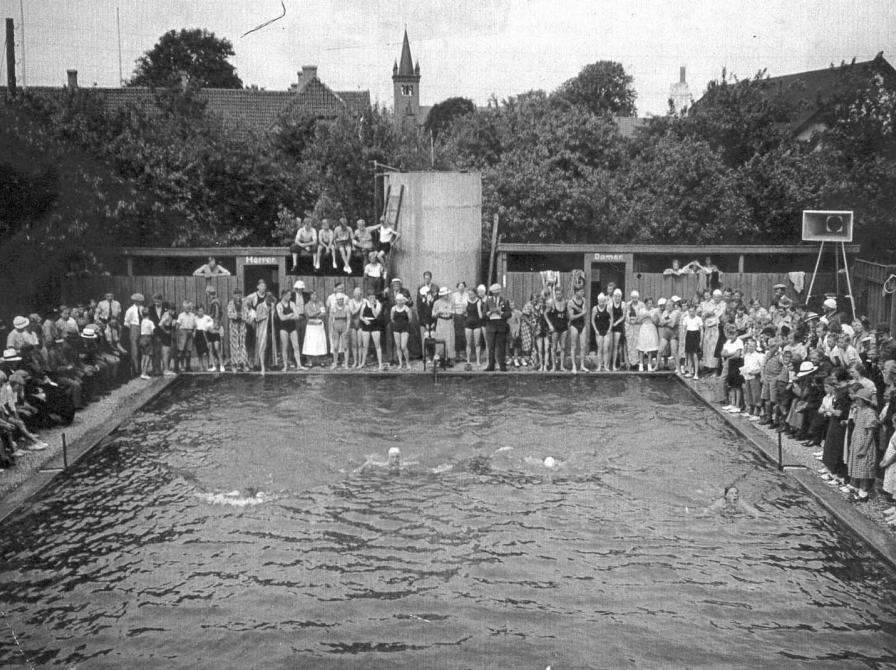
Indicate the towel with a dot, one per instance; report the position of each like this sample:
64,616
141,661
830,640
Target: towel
550,278
798,279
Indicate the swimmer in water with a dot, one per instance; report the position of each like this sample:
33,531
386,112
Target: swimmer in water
393,461
731,504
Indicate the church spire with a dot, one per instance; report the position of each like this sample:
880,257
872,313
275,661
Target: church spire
406,64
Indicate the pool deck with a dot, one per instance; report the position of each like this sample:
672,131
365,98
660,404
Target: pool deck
35,470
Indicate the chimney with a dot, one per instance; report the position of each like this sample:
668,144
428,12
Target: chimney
309,72
681,78
72,79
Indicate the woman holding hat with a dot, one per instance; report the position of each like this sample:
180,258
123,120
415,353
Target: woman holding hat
400,318
443,313
862,449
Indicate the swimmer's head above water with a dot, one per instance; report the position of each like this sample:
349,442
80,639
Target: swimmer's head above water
394,457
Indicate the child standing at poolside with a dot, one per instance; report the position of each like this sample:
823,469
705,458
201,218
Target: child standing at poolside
147,328
204,323
752,371
693,336
186,326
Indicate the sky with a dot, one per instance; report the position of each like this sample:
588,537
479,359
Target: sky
475,49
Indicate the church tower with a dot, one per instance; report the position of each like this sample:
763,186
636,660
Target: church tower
406,87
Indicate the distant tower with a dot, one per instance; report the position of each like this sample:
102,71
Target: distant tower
680,93
406,86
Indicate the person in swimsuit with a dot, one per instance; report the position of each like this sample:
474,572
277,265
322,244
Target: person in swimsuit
400,317
388,237
285,316
325,246
558,324
342,241
578,333
731,504
542,331
603,338
473,327
374,274
355,304
339,319
370,328
617,327
304,244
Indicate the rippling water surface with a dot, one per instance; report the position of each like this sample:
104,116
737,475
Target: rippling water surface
135,560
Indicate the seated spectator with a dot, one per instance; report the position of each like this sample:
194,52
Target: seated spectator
9,411
21,336
325,244
362,239
342,243
211,269
107,308
304,244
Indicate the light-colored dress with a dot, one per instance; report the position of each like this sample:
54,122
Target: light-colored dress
890,472
861,465
632,328
712,312
443,313
315,343
238,314
648,337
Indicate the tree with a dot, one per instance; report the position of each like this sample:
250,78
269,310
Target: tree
196,53
603,88
444,113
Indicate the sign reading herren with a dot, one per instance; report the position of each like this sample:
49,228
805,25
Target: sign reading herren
260,260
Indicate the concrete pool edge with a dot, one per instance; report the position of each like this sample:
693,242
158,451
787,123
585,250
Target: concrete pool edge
42,475
881,541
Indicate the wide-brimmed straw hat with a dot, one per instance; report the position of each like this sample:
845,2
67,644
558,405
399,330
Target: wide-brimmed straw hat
865,394
20,322
11,355
137,297
89,333
806,368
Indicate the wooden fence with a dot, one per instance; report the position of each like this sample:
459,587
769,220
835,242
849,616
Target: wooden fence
868,282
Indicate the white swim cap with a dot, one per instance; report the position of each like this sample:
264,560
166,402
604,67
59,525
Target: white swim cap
394,451
549,462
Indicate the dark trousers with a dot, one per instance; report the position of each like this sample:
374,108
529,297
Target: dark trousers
496,341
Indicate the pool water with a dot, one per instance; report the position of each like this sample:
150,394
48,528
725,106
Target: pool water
224,526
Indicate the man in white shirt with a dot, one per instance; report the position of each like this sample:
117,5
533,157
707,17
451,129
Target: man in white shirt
132,318
107,308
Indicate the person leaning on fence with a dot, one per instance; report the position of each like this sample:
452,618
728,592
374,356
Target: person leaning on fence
497,312
211,269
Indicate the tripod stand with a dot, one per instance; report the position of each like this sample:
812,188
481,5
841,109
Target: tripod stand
852,300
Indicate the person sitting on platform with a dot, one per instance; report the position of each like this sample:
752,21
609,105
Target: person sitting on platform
342,243
304,244
325,244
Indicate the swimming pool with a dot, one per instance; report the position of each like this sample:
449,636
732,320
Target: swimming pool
139,558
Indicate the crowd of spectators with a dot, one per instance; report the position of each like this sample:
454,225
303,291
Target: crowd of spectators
53,366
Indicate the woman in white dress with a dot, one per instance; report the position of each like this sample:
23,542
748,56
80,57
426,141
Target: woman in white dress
648,337
315,343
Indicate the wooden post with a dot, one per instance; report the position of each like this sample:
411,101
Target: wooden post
491,256
740,264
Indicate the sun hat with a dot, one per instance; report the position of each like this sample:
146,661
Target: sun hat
846,329
11,355
717,293
494,288
830,303
806,368
674,299
89,333
780,286
395,279
660,302
424,290
137,297
634,294
865,394
299,285
443,291
20,322
401,297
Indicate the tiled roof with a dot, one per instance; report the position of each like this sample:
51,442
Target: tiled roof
808,91
243,110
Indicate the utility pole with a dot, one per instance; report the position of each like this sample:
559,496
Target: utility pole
22,30
118,26
11,56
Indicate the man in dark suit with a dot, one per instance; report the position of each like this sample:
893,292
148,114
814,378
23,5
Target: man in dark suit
497,312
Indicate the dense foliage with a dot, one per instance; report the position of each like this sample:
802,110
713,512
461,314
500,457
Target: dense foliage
196,54
76,175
